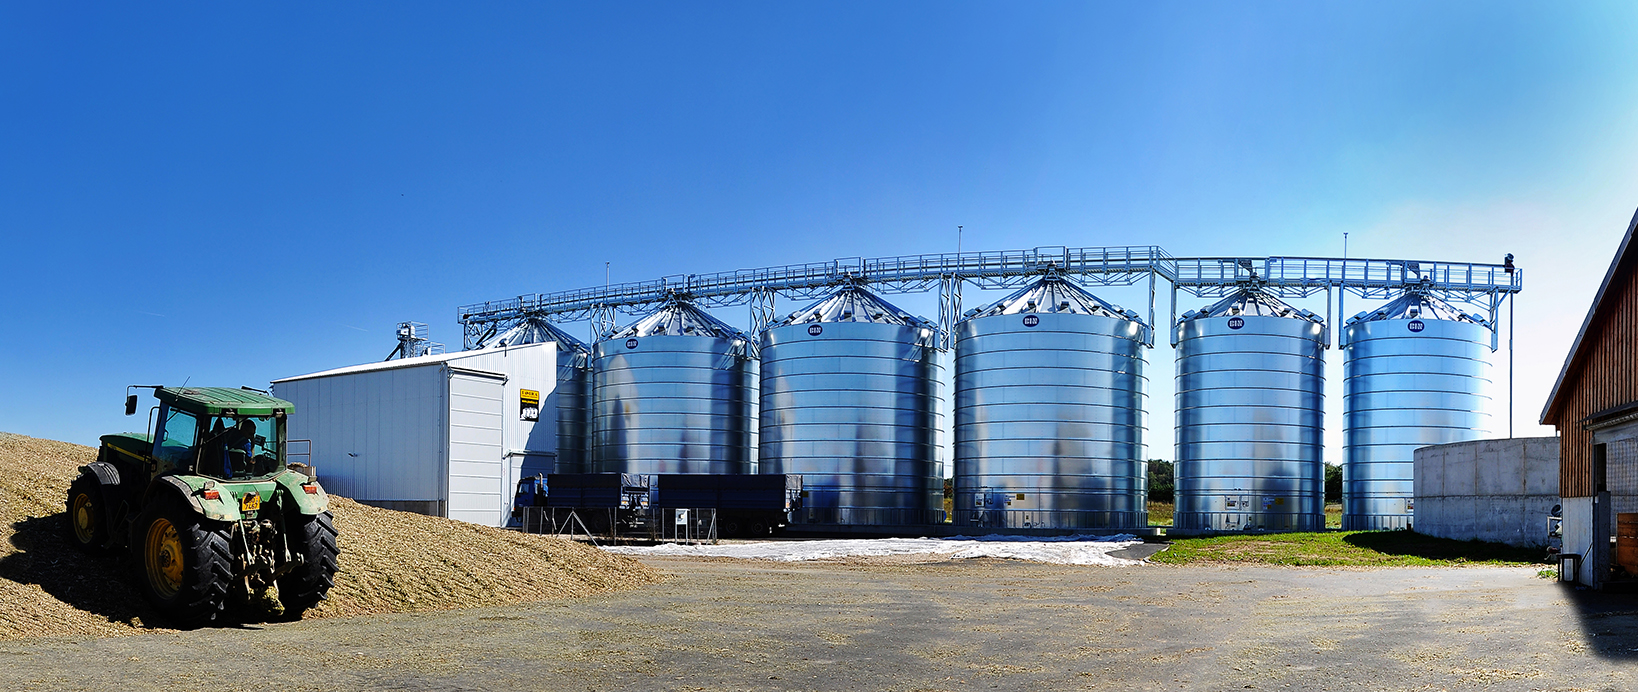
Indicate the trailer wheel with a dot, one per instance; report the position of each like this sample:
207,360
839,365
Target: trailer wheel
183,561
305,586
730,527
87,519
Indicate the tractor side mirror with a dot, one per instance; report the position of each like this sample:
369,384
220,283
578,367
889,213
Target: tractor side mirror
130,404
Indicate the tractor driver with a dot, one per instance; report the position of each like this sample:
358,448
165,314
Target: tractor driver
241,440
227,442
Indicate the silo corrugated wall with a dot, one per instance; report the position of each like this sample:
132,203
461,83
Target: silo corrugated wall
1416,372
1049,415
850,395
1250,416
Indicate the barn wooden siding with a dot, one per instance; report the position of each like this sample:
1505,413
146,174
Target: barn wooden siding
1602,376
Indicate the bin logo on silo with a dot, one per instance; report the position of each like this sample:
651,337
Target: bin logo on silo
631,343
1031,320
1416,325
1236,322
815,330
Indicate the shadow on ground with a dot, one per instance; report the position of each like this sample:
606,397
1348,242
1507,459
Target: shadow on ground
1410,543
96,584
1610,620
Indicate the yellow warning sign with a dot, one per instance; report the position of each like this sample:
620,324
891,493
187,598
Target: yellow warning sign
528,404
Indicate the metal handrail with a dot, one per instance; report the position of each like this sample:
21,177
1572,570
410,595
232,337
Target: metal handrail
946,272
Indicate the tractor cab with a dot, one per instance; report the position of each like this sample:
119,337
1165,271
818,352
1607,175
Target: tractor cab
207,507
218,432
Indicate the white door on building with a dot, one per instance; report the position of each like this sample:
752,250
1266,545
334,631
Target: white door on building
477,455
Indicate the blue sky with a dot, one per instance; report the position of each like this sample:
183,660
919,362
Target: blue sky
232,194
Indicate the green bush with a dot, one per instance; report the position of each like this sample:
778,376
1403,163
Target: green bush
1162,481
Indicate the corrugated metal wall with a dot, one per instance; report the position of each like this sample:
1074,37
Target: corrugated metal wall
477,478
377,436
444,436
1604,378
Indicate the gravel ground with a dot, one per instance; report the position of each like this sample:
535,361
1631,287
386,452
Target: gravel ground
390,561
723,624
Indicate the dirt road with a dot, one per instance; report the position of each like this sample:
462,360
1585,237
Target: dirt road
982,624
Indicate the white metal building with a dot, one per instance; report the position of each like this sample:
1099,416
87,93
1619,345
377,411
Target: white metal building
446,435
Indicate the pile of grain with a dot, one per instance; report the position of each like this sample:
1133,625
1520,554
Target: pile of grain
390,561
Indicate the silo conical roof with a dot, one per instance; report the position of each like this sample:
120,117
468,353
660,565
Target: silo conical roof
534,330
1416,305
679,318
1054,295
1252,302
853,304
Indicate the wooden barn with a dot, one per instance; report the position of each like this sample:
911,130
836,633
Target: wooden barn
1594,406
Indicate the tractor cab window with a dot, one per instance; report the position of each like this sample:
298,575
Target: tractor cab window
239,447
175,439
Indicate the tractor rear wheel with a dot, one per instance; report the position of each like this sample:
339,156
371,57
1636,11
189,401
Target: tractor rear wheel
305,586
183,561
87,520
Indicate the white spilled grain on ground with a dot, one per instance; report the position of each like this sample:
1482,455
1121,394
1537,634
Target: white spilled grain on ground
1062,550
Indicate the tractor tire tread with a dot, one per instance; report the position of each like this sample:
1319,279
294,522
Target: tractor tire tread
205,582
303,588
99,537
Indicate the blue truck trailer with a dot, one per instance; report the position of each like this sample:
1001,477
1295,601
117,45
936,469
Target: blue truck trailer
745,505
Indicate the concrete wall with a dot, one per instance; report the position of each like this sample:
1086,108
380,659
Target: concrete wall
1491,490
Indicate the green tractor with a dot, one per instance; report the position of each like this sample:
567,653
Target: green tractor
208,506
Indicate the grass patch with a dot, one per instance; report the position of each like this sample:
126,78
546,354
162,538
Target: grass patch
1353,548
1160,514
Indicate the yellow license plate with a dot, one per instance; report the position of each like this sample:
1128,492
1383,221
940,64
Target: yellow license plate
250,502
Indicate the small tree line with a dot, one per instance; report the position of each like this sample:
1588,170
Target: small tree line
1163,481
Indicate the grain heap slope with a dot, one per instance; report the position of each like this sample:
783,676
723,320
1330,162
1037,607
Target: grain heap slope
390,561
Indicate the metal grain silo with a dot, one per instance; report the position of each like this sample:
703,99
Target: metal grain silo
674,393
1250,414
1416,372
572,395
850,400
1049,417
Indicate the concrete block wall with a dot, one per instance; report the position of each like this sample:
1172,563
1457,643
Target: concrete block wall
1491,490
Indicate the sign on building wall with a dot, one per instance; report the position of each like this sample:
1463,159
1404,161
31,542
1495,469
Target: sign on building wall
529,404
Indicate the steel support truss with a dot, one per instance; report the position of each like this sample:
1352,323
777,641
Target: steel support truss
1485,286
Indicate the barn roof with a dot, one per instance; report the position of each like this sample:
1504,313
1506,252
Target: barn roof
1624,259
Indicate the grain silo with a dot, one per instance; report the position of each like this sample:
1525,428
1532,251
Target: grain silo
1250,414
850,400
674,392
1049,415
569,403
1416,372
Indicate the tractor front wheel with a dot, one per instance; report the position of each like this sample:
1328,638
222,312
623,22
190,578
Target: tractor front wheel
184,562
315,537
87,520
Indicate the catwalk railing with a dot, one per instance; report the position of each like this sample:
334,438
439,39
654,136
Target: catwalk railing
1483,285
